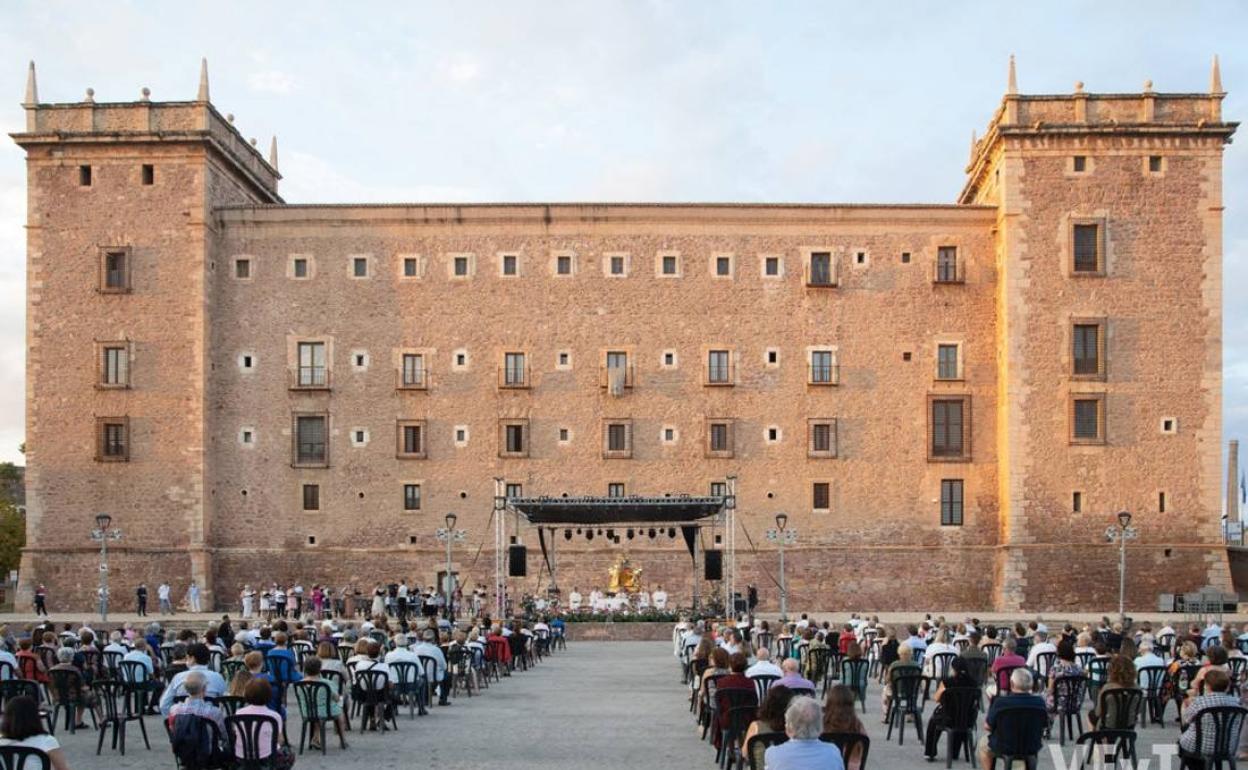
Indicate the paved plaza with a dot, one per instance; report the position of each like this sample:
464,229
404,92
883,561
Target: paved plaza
599,704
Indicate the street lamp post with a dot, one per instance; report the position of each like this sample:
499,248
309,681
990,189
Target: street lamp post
102,534
1122,532
450,535
782,536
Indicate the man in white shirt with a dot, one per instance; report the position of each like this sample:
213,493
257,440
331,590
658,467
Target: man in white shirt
1146,658
402,654
764,666
1040,645
426,648
575,599
163,593
643,600
115,644
659,598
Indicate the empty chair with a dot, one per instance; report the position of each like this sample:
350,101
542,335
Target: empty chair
120,703
1152,680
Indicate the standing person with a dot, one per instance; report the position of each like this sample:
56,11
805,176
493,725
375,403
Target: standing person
249,597
140,594
297,592
659,598
192,597
163,593
379,601
279,601
41,600
101,599
402,599
346,602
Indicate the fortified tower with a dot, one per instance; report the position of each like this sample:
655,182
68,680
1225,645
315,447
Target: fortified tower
1109,343
120,250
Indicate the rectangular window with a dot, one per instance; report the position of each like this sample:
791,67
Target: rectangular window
947,362
515,372
1087,353
1161,502
1086,243
242,268
513,491
1154,164
947,265
617,265
513,438
112,439
411,497
951,502
563,265
312,372
821,437
821,272
359,267
670,266
461,266
310,438
615,489
618,440
1080,163
148,174
411,439
84,176
719,439
115,366
771,267
300,268
311,497
719,367
410,267
510,264
1087,419
823,370
413,374
719,489
115,271
618,375
723,266
821,496
1076,502
950,428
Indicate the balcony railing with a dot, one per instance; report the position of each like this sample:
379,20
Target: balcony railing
310,378
513,376
824,374
411,379
720,374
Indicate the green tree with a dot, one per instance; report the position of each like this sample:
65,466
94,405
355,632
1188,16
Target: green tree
12,536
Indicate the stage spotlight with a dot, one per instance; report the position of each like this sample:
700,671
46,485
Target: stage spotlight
652,533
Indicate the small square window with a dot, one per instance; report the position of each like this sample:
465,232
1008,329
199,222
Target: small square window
773,434
669,359
1161,502
773,357
510,265
771,267
461,267
84,176
359,437
311,497
860,258
906,356
411,540
563,360
311,539
564,435
905,257
615,489
360,360
459,360
461,434
410,267
671,265
246,361
564,265
359,267
1080,164
299,267
617,265
242,269
248,437
1154,164
723,267
1169,425
148,174
669,434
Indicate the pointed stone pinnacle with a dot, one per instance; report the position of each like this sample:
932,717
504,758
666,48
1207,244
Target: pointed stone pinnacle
1215,77
32,89
974,142
273,153
203,81
1011,86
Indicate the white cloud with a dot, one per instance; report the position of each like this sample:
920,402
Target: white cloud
271,82
460,68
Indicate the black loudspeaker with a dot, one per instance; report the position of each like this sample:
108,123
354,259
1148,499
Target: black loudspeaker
714,564
517,561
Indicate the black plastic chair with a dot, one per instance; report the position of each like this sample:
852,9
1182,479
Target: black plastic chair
960,706
65,687
1122,741
763,640
314,699
1068,697
246,731
905,703
942,663
8,671
1237,665
220,753
112,663
283,672
739,709
374,700
230,669
230,704
120,703
1084,658
1122,707
410,687
20,757
459,661
1028,724
1152,680
429,666
1180,682
854,675
1226,723
849,743
757,746
763,683
1002,679
12,688
992,650
977,669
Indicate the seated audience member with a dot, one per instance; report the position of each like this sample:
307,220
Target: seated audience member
1217,684
214,684
803,721
28,662
1027,734
959,676
903,665
792,679
312,673
763,665
847,636
1065,665
1147,658
194,685
839,716
21,725
939,647
770,712
84,696
1040,645
1120,676
259,694
1217,658
1008,658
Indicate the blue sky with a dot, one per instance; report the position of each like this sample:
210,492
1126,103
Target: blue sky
663,101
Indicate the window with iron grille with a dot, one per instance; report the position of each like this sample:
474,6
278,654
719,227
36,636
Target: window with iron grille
311,497
514,441
312,372
718,367
310,435
115,366
1086,240
413,370
950,421
1087,419
822,367
615,489
821,496
719,435
821,269
411,438
947,265
617,437
411,497
112,439
1086,349
947,362
515,373
821,437
116,271
951,502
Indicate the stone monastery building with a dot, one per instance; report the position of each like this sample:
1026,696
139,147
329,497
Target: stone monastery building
951,402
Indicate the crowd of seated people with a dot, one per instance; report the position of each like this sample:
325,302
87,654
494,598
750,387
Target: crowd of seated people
1026,683
197,680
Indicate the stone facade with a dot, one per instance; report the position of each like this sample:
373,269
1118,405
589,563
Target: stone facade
226,281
